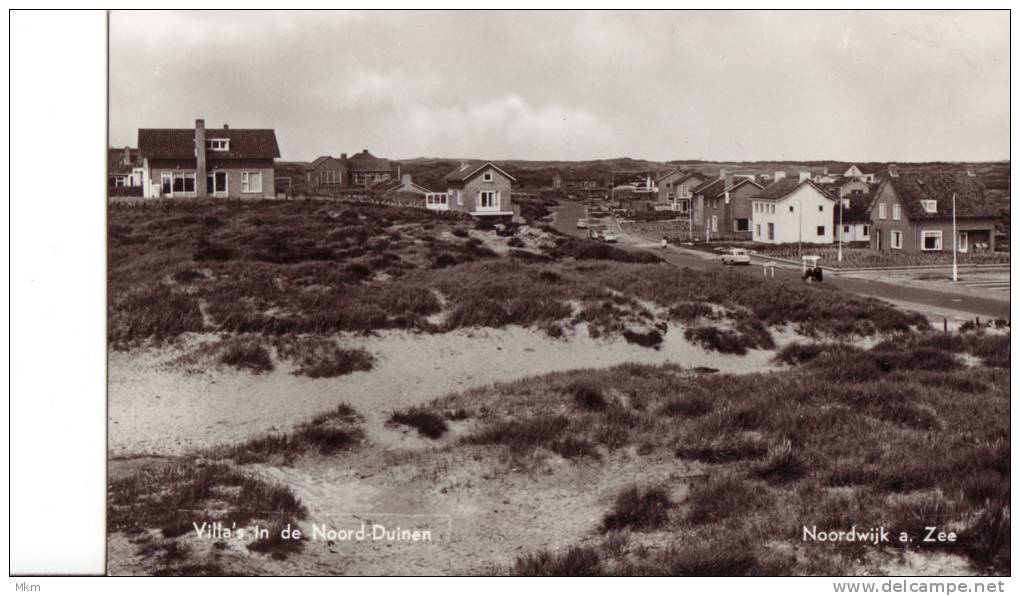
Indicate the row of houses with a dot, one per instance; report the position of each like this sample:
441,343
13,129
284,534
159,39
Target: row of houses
893,211
231,163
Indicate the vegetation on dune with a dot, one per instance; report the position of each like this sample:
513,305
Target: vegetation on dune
820,445
428,424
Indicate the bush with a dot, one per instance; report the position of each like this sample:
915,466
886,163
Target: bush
723,341
649,339
586,396
428,424
781,464
638,509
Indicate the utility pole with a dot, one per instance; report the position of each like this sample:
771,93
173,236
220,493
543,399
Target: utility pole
839,251
800,226
954,239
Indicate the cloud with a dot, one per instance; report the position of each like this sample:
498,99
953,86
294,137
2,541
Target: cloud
506,127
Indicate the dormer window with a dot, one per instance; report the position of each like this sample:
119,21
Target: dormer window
217,144
487,177
930,206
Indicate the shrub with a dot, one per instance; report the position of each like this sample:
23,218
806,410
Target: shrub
649,339
322,358
638,508
428,424
723,341
574,562
799,353
521,434
247,355
722,497
587,396
688,406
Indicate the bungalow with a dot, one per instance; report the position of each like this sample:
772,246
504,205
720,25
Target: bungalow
724,206
792,210
328,172
675,190
123,168
479,188
196,162
367,170
913,212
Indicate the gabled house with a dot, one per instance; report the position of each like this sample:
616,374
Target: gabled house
479,188
792,210
856,172
200,162
328,172
582,185
725,205
367,170
404,185
856,217
123,167
913,212
675,190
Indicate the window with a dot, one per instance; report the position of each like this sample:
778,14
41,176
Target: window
217,144
931,240
864,230
896,212
896,239
460,199
164,184
820,230
757,230
251,181
846,229
821,208
881,211
791,208
488,199
742,225
329,177
487,177
216,183
930,206
715,223
436,198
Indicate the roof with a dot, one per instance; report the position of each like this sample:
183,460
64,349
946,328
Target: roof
781,188
394,184
667,175
318,161
717,186
366,162
468,169
859,210
179,143
914,187
115,160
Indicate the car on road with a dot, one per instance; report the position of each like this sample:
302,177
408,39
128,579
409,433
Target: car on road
582,224
608,236
736,256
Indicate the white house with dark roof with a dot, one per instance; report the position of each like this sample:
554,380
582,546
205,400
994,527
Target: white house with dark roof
199,162
480,188
792,210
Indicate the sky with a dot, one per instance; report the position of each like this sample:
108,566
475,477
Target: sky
572,85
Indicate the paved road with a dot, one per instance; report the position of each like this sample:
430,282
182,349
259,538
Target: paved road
919,298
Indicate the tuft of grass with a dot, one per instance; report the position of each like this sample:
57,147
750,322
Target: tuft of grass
428,424
520,434
246,354
574,562
781,464
688,406
649,339
721,498
638,508
318,357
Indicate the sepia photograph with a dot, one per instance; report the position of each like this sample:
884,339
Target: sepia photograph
558,293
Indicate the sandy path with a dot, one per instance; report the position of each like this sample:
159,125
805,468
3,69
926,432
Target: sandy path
156,409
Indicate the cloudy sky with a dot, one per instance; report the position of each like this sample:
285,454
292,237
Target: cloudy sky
882,86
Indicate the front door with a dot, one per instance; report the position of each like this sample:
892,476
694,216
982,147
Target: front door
216,184
878,240
961,245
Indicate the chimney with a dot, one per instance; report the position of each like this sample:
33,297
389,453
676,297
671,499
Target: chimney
463,165
779,176
728,178
343,157
127,156
722,173
804,176
405,179
226,127
200,158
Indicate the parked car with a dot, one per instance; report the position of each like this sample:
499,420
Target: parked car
736,256
608,236
582,224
